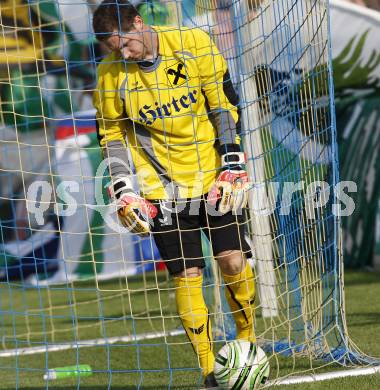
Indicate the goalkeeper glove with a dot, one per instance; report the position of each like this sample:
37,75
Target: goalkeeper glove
134,212
230,191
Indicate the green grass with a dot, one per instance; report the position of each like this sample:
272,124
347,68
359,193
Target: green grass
71,313
362,290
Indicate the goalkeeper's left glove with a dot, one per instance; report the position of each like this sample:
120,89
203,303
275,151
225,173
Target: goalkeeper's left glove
230,191
134,212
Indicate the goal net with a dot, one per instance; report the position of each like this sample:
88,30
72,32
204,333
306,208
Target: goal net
77,289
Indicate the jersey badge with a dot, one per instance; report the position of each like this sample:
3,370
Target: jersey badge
176,74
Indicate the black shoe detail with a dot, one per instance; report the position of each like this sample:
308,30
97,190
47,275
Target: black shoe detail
210,381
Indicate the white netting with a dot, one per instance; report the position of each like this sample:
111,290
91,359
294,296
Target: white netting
71,280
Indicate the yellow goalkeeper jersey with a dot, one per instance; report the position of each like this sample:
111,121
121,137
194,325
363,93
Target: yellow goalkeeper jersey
173,113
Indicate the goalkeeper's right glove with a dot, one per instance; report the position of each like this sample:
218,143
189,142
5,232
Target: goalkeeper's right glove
134,212
230,190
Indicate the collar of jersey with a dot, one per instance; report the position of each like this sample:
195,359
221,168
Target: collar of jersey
149,66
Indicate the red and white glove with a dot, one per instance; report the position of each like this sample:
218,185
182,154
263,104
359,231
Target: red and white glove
230,191
134,212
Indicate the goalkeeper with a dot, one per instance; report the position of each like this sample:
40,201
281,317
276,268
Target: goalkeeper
165,93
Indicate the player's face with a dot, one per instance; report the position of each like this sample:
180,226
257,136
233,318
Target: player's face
132,45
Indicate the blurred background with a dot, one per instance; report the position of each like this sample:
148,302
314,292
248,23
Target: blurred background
48,59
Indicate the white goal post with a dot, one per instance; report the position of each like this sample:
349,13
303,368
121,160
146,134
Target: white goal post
74,284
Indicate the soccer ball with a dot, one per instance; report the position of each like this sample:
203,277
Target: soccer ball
241,365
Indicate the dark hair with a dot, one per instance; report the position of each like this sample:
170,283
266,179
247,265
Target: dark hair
113,15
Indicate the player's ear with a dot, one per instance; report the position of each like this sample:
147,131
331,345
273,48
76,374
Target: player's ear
138,23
